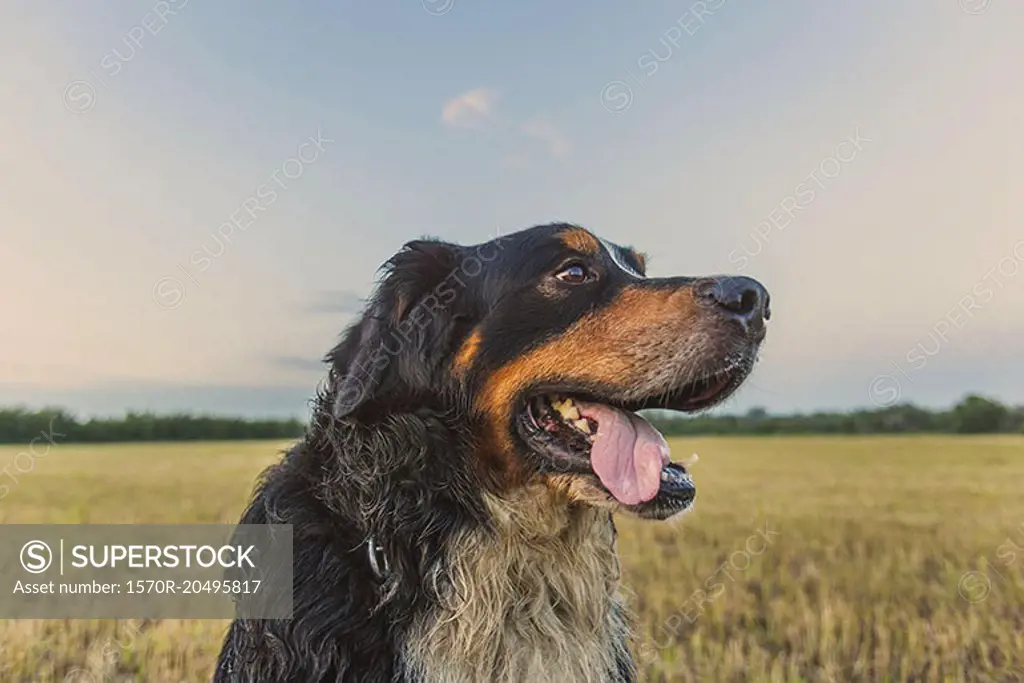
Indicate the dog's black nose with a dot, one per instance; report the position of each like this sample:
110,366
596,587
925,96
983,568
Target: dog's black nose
743,298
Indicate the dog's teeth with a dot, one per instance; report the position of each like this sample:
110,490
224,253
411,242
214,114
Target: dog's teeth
664,475
567,409
583,425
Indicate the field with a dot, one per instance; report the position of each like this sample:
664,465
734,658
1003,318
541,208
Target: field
806,559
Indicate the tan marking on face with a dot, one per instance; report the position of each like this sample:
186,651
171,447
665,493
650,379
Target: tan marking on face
582,241
627,341
468,352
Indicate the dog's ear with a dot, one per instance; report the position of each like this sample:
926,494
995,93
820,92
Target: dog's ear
406,330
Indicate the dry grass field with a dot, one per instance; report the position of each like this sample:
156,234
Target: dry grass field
806,559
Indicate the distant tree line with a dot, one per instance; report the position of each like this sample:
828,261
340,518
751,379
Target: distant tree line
20,425
973,415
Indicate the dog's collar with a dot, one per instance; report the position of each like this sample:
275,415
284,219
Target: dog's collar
378,560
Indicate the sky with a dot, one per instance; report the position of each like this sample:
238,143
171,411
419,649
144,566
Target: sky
195,197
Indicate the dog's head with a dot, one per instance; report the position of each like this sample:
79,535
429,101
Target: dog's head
543,344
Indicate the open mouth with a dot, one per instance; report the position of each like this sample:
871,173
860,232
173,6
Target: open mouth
625,452
583,434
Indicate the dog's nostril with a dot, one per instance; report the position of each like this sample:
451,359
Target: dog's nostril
744,297
747,303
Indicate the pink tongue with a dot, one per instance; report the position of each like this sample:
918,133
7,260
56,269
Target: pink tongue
627,454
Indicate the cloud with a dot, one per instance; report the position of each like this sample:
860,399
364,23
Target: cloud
471,109
546,132
340,301
299,363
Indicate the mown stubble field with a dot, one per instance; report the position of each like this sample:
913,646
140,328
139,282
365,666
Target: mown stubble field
806,559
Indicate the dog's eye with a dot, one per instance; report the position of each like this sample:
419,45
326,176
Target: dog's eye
574,274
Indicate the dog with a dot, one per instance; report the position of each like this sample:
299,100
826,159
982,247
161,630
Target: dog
452,500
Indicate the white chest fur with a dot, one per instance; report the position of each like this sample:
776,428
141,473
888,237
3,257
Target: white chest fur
536,602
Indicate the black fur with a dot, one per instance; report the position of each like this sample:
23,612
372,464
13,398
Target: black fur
400,476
